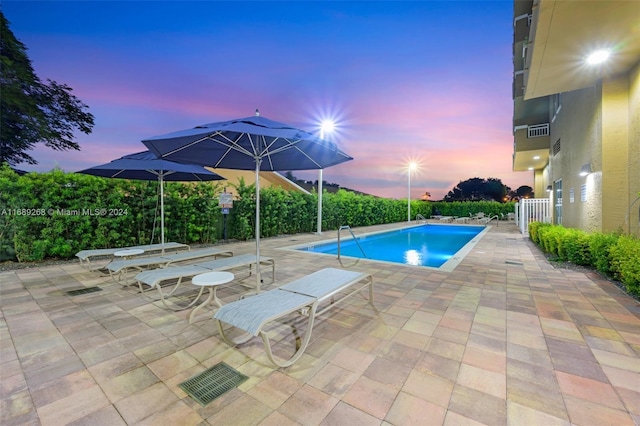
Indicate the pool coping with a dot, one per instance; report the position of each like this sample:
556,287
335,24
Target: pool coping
448,266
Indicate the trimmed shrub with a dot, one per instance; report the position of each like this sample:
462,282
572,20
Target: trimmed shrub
575,247
468,208
549,239
625,262
600,247
617,256
534,231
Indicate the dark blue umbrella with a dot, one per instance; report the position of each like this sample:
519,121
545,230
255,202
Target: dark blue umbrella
245,144
146,166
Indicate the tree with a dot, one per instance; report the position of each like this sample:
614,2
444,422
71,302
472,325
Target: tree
31,111
477,189
496,190
524,192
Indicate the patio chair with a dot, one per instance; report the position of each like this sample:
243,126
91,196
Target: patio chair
155,277
304,295
478,216
85,256
122,267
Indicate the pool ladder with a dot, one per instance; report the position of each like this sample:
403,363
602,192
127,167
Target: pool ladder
354,239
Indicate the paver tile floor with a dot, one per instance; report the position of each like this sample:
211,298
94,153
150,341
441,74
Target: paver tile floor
504,339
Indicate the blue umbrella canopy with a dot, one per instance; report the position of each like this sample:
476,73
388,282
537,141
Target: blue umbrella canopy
146,166
241,143
248,143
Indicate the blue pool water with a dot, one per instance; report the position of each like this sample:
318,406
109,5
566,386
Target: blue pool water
425,245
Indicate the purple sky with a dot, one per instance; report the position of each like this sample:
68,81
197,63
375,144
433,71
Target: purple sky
423,80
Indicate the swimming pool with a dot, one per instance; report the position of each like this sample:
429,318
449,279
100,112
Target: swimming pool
429,245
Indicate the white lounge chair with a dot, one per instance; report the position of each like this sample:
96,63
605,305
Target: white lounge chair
120,268
253,314
155,277
85,256
478,216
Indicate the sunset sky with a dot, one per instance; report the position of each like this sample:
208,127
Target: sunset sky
423,80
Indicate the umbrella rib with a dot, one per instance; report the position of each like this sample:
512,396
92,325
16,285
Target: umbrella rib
190,144
232,145
224,141
290,145
310,159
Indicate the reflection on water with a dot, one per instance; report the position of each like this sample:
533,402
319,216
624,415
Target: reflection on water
412,257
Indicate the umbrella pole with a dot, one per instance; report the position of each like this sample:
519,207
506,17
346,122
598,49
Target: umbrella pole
258,277
161,182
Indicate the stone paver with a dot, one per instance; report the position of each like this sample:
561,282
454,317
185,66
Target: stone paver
504,339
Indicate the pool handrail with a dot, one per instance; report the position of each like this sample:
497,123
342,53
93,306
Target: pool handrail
487,219
354,238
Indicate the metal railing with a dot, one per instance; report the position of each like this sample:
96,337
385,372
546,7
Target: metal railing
538,130
354,238
487,219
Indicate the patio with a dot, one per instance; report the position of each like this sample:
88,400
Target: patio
505,338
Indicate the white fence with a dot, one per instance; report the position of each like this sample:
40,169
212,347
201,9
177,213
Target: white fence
532,210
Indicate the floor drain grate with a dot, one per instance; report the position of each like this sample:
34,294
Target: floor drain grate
85,290
212,383
513,262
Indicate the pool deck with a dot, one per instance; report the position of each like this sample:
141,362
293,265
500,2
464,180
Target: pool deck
504,339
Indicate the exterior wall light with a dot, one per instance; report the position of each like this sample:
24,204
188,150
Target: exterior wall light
598,57
585,169
549,188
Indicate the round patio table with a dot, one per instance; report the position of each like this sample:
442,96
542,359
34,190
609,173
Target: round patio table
127,253
210,280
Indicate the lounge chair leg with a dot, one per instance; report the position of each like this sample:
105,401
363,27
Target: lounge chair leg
232,342
299,350
179,308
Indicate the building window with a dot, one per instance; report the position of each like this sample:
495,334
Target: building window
556,106
558,201
556,147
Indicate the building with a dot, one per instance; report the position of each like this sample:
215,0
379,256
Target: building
267,180
576,121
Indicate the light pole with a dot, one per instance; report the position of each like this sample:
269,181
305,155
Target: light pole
326,126
411,167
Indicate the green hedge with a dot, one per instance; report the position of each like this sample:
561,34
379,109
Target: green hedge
615,255
57,214
470,208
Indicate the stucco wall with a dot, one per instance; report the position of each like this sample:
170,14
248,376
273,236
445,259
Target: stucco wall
633,213
616,146
578,126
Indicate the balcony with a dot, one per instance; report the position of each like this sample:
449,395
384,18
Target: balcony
531,147
526,113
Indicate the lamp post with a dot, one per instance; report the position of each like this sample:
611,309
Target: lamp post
326,126
411,167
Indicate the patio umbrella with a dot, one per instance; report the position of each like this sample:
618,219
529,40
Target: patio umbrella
146,166
245,144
